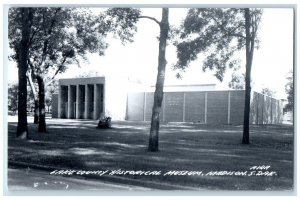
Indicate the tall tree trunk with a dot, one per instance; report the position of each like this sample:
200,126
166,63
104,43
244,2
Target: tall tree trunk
42,119
158,94
249,57
23,49
35,98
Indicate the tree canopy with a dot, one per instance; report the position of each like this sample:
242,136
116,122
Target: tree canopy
60,36
57,37
237,81
268,92
217,34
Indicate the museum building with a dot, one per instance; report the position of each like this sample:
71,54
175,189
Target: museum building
91,98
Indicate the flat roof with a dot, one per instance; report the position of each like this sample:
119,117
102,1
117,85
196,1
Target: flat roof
82,80
191,85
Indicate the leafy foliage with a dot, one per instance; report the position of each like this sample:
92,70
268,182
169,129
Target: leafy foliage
122,22
289,89
268,92
237,81
60,37
50,90
12,97
63,36
217,33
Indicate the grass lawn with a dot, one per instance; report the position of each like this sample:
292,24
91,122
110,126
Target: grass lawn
79,145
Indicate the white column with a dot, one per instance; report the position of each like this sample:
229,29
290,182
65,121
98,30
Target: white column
183,109
59,101
78,106
257,102
86,104
96,101
164,106
104,99
228,118
205,108
70,103
263,109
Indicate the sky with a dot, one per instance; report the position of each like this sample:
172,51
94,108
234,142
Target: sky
138,60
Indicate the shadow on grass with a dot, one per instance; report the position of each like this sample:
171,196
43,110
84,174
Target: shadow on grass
78,144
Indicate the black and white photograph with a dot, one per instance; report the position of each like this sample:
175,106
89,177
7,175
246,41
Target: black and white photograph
107,99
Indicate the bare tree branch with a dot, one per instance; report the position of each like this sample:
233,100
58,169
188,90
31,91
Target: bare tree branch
151,18
59,68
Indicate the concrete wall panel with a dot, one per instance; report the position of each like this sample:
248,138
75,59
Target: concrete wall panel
149,105
237,101
173,107
217,107
135,109
260,108
195,107
254,108
267,117
274,111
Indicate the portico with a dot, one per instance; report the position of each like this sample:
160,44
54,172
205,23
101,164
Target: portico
81,98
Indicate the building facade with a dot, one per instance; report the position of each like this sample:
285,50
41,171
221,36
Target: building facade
207,107
91,98
81,98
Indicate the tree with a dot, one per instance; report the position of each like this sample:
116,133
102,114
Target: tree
251,26
219,33
268,92
13,97
158,94
22,31
129,17
237,81
289,89
59,37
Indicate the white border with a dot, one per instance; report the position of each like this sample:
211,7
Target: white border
3,92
